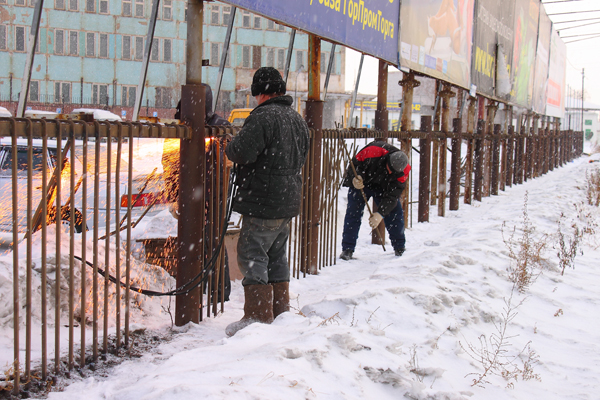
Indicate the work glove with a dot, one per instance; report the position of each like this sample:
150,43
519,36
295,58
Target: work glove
358,182
174,210
375,220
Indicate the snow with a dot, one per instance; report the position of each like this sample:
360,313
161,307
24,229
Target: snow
100,115
386,327
4,112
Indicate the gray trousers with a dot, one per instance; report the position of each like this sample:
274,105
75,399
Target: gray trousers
262,248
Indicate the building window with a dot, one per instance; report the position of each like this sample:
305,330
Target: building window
139,47
128,96
270,25
185,12
163,97
588,122
226,15
126,48
257,22
214,15
214,54
20,38
139,8
126,8
270,57
245,19
256,57
62,92
90,6
59,4
324,63
168,9
73,43
73,5
2,1
34,91
90,44
280,59
154,50
227,63
167,50
246,56
300,60
103,45
2,37
59,41
281,28
103,6
19,2
100,94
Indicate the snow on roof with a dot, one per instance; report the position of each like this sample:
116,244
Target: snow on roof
98,114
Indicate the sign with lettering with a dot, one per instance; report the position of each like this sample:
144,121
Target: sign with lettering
368,26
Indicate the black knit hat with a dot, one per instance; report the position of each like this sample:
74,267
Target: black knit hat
398,161
267,80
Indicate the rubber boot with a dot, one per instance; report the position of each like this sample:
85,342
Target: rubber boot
281,298
258,307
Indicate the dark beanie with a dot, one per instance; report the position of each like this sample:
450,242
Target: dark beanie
267,80
398,161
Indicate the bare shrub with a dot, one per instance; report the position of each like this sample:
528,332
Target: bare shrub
526,252
568,245
592,183
494,353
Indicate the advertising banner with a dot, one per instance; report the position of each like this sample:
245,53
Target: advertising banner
493,37
541,63
557,70
435,38
527,14
368,26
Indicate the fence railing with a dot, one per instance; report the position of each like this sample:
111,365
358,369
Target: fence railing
82,274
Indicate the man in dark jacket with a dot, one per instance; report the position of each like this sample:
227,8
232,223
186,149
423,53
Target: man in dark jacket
270,151
382,171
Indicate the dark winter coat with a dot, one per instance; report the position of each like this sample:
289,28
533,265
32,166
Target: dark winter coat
371,164
270,151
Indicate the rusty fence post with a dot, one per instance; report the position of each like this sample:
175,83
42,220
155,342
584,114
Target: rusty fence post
455,164
424,168
381,125
496,159
478,161
445,95
510,155
469,155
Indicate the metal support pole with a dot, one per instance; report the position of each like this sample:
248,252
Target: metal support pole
329,69
224,56
446,95
424,169
288,59
314,119
496,159
360,65
381,124
33,38
469,155
147,50
190,229
408,84
478,181
455,164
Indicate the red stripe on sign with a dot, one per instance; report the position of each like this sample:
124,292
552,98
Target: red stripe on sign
371,152
403,179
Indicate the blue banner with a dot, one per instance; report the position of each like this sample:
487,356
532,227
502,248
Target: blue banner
368,26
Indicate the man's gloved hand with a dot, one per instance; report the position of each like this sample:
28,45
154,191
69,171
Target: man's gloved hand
358,182
174,210
375,220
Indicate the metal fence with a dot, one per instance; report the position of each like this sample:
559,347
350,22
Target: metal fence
87,183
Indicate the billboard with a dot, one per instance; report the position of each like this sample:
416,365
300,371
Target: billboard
527,14
541,63
557,70
493,48
368,26
435,38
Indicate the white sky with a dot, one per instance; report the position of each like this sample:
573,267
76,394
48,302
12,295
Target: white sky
581,54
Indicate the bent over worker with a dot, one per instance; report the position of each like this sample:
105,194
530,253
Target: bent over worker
270,151
381,173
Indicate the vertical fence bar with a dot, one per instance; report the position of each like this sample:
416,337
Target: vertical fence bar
455,164
57,213
29,264
107,238
478,161
95,248
424,166
496,159
84,194
44,277
118,235
469,155
71,205
15,227
128,243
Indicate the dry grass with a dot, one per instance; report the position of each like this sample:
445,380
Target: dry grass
526,252
568,245
592,180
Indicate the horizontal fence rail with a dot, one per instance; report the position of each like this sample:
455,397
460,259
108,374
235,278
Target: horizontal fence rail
82,281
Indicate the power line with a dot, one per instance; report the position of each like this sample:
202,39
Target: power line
582,34
576,20
579,40
574,12
579,26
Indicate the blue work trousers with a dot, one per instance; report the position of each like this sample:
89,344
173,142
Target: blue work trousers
394,221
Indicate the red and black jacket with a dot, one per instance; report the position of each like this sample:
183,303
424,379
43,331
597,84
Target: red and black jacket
371,163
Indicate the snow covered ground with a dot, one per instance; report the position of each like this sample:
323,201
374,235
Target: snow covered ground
382,327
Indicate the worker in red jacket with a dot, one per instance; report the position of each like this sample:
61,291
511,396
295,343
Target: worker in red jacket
381,172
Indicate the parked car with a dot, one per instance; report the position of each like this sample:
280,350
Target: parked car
4,112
